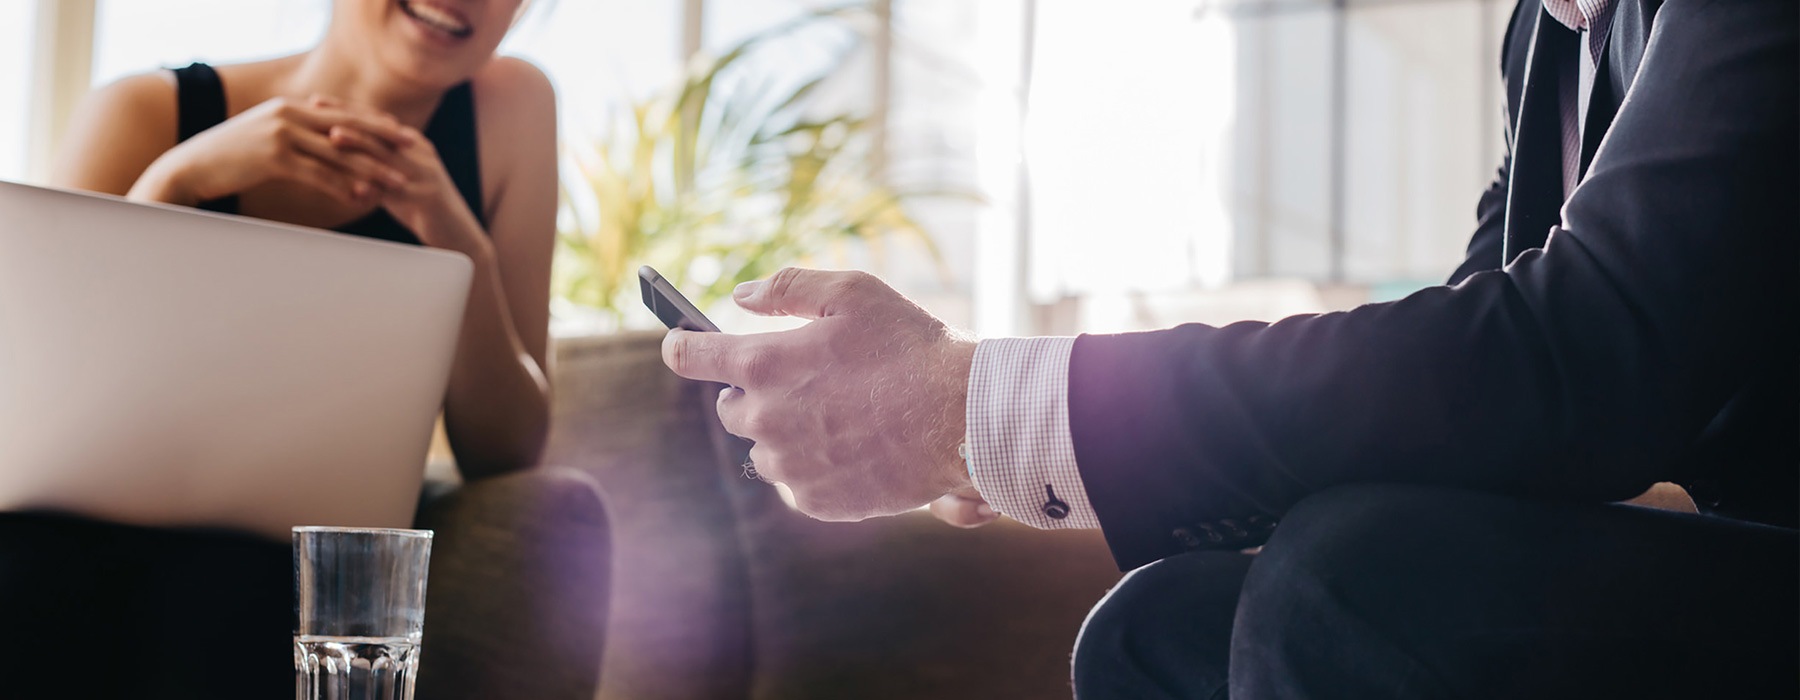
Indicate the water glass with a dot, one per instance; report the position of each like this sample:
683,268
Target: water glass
360,611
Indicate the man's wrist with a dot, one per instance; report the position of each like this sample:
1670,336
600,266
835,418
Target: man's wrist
960,359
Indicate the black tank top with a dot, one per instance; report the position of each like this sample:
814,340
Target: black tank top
200,101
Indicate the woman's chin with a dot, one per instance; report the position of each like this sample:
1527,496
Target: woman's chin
427,71
436,64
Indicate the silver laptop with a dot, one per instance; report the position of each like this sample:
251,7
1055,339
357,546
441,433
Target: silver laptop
165,366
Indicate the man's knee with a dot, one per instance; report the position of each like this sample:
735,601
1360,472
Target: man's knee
1407,591
1163,631
1384,536
1166,630
1313,620
1356,522
1360,582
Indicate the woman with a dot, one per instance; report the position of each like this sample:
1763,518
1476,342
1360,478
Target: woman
402,125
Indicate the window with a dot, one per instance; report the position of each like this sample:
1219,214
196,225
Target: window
1125,138
134,36
17,20
1193,143
600,55
596,53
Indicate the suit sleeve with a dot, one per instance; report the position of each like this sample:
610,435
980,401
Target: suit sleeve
1487,248
1582,370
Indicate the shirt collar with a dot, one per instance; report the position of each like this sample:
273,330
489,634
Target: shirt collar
1595,16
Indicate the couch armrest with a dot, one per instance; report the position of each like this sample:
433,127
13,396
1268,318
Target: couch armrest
516,605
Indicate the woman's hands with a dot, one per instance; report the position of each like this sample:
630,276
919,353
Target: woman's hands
357,155
422,198
280,139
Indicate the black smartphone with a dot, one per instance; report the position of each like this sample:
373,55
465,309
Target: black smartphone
669,305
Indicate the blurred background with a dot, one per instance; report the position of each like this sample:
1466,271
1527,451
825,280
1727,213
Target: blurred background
1019,166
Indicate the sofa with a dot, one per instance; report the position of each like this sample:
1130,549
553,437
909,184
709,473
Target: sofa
516,601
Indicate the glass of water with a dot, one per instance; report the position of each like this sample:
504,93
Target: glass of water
361,611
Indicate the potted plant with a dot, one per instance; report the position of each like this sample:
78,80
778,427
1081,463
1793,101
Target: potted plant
721,181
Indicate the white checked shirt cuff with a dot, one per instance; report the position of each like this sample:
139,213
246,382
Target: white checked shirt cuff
1020,453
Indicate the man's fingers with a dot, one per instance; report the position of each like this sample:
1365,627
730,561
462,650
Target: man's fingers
809,294
962,511
747,417
767,465
747,361
730,409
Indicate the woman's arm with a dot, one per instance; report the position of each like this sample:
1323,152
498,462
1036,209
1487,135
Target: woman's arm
123,141
497,409
497,412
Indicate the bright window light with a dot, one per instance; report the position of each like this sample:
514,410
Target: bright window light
1125,138
134,36
17,20
601,56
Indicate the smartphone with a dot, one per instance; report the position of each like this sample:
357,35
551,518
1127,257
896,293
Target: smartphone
669,305
677,312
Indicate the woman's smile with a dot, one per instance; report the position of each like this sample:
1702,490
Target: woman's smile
439,21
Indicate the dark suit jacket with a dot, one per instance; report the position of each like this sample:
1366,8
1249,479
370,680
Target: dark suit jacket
1652,337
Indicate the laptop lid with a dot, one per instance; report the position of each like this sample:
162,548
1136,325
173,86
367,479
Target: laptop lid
166,366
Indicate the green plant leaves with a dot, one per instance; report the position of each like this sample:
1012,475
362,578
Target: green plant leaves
728,177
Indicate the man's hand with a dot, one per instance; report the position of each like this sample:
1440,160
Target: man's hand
860,412
964,509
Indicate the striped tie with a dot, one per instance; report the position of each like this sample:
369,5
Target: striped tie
1569,94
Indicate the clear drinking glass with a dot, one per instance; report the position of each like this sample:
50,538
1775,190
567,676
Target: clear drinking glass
361,611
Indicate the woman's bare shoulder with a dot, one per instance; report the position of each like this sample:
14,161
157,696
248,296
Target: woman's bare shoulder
144,101
514,92
515,108
514,76
147,103
118,130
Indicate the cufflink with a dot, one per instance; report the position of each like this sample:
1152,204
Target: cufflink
1055,508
